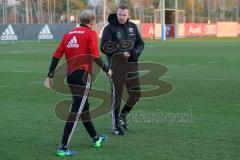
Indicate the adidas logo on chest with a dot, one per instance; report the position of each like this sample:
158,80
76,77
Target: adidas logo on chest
73,43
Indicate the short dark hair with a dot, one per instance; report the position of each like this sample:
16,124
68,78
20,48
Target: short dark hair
123,7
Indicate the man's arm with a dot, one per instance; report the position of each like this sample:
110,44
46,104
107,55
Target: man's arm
95,55
52,67
55,59
104,67
139,46
101,64
106,37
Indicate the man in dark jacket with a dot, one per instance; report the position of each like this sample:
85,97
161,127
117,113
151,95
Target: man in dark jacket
122,44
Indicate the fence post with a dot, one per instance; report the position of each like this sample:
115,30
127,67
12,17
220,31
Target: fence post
104,12
163,21
209,11
193,11
237,10
54,11
3,14
68,11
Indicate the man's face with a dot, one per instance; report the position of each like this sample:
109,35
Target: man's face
122,16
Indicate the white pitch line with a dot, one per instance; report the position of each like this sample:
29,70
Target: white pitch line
193,64
22,71
36,82
231,60
167,77
25,52
173,66
201,78
213,62
211,79
5,86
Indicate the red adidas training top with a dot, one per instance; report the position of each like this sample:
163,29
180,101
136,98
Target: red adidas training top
80,47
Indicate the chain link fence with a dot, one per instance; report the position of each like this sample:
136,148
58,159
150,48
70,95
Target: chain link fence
67,11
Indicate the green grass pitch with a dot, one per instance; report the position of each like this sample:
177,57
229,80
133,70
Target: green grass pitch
206,79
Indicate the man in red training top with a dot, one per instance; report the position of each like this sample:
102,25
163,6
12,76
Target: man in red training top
80,48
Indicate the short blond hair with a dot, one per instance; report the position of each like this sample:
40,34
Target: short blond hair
123,7
87,16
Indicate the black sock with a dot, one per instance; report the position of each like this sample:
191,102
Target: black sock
126,109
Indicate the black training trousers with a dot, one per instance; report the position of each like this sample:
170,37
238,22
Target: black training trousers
79,84
124,73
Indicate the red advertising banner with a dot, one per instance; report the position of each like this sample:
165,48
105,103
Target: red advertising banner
192,30
227,29
210,29
147,30
239,29
196,30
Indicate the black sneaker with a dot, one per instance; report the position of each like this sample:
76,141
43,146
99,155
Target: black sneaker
123,122
118,130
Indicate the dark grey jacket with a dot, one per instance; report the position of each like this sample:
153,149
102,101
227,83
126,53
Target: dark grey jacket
117,32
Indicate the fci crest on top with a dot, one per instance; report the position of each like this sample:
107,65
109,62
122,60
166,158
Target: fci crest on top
131,30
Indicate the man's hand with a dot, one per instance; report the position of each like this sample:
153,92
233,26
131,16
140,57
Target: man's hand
48,83
109,74
126,55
